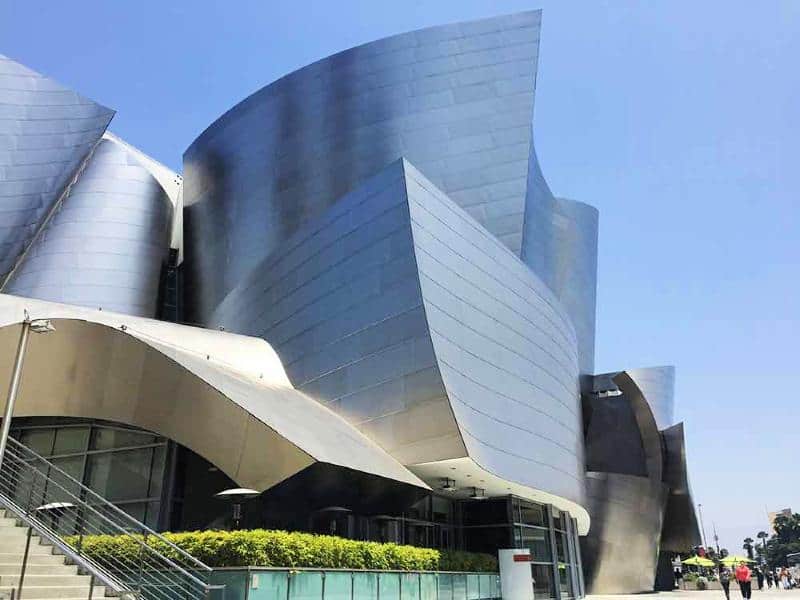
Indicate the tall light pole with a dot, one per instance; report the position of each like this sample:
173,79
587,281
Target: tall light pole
37,326
716,537
702,527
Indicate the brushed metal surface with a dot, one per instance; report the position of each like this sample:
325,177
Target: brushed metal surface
559,243
681,526
658,386
620,554
401,312
46,131
105,243
194,386
456,101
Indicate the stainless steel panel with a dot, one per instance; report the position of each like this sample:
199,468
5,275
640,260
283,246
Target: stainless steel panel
681,527
620,554
224,396
457,101
105,243
559,243
658,386
401,312
46,131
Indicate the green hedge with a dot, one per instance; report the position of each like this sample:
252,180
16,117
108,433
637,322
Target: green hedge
271,548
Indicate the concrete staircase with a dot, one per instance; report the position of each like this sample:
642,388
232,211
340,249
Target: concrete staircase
47,575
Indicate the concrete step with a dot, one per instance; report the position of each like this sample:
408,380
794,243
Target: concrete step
45,580
8,522
11,546
15,558
48,569
45,592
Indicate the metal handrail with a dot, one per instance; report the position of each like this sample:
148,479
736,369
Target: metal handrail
33,488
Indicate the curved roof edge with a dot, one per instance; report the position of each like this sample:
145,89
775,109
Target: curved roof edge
224,396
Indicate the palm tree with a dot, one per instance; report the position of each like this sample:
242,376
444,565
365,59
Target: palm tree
748,545
763,535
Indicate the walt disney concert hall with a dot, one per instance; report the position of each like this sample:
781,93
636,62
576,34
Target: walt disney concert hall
360,299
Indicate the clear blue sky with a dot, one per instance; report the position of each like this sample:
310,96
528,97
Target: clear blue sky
679,120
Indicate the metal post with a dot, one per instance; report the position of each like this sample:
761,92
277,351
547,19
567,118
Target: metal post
91,586
702,527
24,561
13,387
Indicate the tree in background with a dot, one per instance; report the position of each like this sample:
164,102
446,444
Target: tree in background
785,541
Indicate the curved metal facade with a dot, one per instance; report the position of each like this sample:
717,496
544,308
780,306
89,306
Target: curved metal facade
456,101
404,314
559,243
658,386
637,484
46,131
105,243
194,386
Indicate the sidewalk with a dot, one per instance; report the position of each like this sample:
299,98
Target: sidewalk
772,594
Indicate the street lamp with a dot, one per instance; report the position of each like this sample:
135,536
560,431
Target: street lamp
28,325
236,496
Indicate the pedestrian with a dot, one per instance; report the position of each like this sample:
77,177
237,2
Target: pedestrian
743,577
784,578
725,581
769,578
678,577
760,579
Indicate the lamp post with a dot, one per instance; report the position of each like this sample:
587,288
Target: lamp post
702,527
37,326
236,496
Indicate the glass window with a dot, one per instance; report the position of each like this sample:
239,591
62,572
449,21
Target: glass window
532,514
558,519
565,582
365,586
71,440
389,586
121,475
561,543
39,440
486,539
409,586
473,587
338,586
305,585
442,510
106,438
537,540
543,581
485,512
62,488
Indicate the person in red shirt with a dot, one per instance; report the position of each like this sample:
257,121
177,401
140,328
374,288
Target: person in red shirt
743,577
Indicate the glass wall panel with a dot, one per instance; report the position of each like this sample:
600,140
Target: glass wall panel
121,475
409,586
338,586
40,440
427,586
485,512
107,438
61,488
459,586
365,586
445,582
473,587
532,514
389,586
561,544
487,539
543,581
305,585
71,440
565,581
537,540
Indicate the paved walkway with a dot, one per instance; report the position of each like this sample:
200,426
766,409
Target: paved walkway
705,595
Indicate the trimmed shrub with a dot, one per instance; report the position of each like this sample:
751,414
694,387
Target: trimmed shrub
273,548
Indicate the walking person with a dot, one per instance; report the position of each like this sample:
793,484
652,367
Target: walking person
760,579
725,581
769,578
743,576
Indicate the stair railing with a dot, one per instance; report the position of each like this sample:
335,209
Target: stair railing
119,552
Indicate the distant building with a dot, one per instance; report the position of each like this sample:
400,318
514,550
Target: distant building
784,512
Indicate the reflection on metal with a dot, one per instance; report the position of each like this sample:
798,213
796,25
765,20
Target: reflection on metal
195,386
105,243
559,243
658,386
406,316
639,510
46,132
620,554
